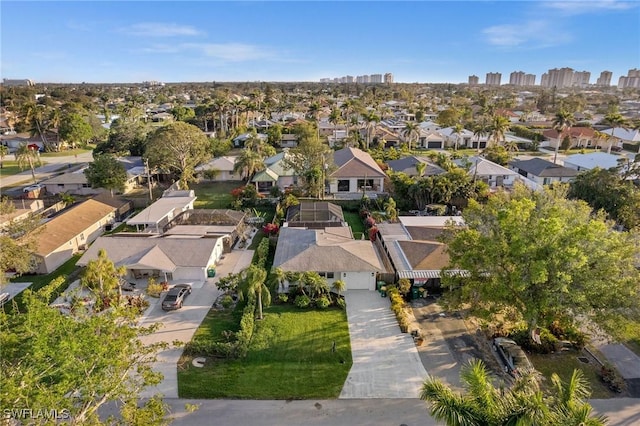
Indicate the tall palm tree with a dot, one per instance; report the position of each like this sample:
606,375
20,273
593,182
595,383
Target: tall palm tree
420,168
27,156
480,130
524,403
562,123
411,130
335,118
499,126
315,284
615,120
252,285
457,131
372,120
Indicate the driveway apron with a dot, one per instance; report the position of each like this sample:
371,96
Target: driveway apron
386,363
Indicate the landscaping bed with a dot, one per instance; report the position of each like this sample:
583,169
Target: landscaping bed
291,356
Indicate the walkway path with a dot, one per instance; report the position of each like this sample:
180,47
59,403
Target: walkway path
385,361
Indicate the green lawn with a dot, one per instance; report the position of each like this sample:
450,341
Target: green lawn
214,195
67,152
563,364
10,168
623,329
356,224
290,357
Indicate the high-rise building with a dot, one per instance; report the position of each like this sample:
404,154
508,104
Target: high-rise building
493,79
7,82
559,78
375,78
632,79
581,78
474,80
605,79
388,78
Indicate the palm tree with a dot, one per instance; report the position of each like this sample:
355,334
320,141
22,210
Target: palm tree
615,120
277,278
3,152
411,130
372,120
252,285
457,130
335,118
25,155
315,284
482,403
563,121
248,163
600,136
339,286
479,131
499,126
390,209
420,168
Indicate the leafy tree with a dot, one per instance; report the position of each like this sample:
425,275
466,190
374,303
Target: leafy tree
274,135
106,172
3,153
524,403
78,363
252,285
220,147
540,257
498,154
309,157
178,148
27,156
448,117
18,241
75,130
125,137
183,113
606,190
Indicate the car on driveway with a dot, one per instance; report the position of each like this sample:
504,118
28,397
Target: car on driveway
175,297
31,188
512,356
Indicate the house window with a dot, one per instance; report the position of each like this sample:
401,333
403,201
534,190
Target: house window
61,185
343,185
86,185
322,274
82,237
365,184
329,275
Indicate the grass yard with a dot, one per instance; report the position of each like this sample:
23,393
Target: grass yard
563,364
356,224
290,357
10,168
623,329
67,152
214,195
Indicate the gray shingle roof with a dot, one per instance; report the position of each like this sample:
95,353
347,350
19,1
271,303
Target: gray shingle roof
543,168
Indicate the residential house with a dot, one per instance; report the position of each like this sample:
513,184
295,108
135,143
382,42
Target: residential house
332,252
430,126
223,167
408,165
430,139
238,141
123,207
69,232
464,139
542,172
171,258
592,160
580,137
412,248
76,183
288,140
315,215
356,172
229,225
621,135
385,137
494,175
277,173
155,217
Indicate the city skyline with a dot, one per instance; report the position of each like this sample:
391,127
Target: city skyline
426,42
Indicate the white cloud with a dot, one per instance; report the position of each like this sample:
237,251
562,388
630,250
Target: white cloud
531,34
580,7
222,52
159,29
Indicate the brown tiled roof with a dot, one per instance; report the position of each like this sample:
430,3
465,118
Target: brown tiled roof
70,223
353,162
424,254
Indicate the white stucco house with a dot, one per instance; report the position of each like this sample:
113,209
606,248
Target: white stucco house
356,171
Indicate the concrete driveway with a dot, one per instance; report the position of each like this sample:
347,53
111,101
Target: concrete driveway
385,361
180,325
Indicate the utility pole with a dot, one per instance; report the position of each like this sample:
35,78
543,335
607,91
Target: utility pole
146,165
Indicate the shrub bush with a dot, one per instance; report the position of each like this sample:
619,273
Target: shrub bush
302,301
322,302
283,297
154,289
341,303
227,301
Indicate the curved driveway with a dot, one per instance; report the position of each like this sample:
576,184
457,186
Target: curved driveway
386,363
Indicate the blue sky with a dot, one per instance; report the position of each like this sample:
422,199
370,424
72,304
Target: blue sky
417,41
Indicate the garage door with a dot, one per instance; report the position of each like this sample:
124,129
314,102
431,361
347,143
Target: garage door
434,145
359,280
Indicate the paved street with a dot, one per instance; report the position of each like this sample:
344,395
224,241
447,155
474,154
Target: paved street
53,165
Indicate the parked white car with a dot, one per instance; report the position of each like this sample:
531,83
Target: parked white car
35,187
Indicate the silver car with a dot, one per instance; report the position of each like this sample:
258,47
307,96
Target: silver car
514,359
